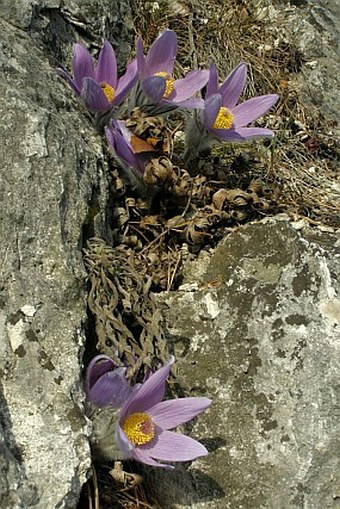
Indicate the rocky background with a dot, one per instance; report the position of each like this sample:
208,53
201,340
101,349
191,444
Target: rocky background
255,324
315,27
53,183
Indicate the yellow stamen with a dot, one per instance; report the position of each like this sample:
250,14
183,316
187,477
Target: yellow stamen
224,119
169,82
139,428
108,91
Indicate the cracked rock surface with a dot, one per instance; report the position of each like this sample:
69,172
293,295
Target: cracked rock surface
314,25
256,327
53,196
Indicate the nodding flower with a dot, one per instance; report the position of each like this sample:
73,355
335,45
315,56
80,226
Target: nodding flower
121,140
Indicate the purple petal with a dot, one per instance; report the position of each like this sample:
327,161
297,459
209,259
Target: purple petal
254,132
211,109
141,60
194,103
170,446
227,135
106,70
143,457
162,54
64,74
120,145
188,86
150,393
154,87
97,367
82,65
212,86
93,96
253,109
241,134
172,413
111,389
231,89
126,82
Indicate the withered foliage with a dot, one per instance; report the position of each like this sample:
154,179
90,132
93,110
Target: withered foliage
152,236
193,209
113,487
128,322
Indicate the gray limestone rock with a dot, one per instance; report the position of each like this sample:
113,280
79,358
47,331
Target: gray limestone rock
314,27
53,196
57,24
258,331
256,327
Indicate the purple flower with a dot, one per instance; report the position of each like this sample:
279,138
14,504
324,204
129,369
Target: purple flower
142,426
228,121
142,431
99,85
105,383
155,73
120,140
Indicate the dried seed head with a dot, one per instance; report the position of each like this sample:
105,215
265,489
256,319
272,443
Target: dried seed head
255,186
159,172
237,197
152,130
230,197
239,215
200,226
183,184
219,198
254,197
261,205
195,235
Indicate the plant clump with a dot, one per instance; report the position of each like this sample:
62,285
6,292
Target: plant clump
187,167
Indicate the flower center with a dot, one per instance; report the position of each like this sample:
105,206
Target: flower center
139,428
224,119
108,91
169,82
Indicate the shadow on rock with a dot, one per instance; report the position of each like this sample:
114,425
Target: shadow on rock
181,486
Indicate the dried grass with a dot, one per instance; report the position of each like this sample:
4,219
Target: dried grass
304,157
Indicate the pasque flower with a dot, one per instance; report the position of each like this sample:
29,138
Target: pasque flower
228,121
144,420
120,139
98,85
221,118
106,383
156,74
